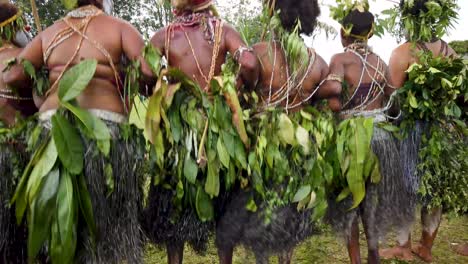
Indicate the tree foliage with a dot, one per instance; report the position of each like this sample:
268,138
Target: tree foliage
146,15
460,47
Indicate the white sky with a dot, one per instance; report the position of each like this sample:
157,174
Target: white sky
382,46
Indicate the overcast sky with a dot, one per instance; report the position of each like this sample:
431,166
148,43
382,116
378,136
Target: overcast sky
382,46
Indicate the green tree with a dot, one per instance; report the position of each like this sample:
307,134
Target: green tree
460,47
146,15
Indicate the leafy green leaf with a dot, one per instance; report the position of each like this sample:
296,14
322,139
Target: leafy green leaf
42,212
204,206
44,165
95,126
302,137
69,145
66,219
223,154
190,169
286,129
75,80
302,193
212,184
86,206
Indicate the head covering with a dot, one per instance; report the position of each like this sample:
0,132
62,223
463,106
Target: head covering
358,24
191,5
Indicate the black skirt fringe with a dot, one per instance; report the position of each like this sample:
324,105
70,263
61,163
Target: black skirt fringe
237,225
163,225
389,204
119,235
13,238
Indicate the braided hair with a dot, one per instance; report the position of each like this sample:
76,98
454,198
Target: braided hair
304,11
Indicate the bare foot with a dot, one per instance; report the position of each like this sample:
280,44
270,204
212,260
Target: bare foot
462,249
397,252
423,252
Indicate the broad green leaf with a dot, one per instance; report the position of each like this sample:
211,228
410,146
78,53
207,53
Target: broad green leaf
286,129
204,206
223,153
412,100
359,147
302,193
75,80
43,166
240,155
251,205
153,116
229,143
69,145
67,220
20,198
42,212
190,169
302,137
86,206
212,184
153,58
344,193
95,126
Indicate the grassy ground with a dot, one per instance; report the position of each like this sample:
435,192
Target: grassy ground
328,249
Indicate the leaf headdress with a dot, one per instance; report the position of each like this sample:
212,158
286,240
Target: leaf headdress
344,8
421,20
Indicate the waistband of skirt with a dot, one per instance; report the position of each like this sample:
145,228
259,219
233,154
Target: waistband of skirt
102,114
378,116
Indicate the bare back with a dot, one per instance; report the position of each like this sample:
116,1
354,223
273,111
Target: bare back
274,73
189,49
106,39
357,74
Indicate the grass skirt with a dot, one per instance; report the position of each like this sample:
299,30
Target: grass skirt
163,226
387,204
237,225
13,238
119,235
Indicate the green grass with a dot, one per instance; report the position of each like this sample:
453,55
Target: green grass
327,248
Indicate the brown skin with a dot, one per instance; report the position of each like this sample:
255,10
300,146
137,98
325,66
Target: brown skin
401,59
462,249
277,68
349,67
115,35
9,108
182,57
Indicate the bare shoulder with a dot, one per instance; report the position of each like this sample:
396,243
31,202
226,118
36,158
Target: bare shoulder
403,50
339,58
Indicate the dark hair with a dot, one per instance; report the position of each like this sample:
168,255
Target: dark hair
90,2
306,11
361,22
7,11
418,7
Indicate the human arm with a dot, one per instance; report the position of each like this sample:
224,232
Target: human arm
332,84
249,70
133,45
397,68
16,76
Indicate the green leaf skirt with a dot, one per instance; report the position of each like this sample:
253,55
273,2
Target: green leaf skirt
107,193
